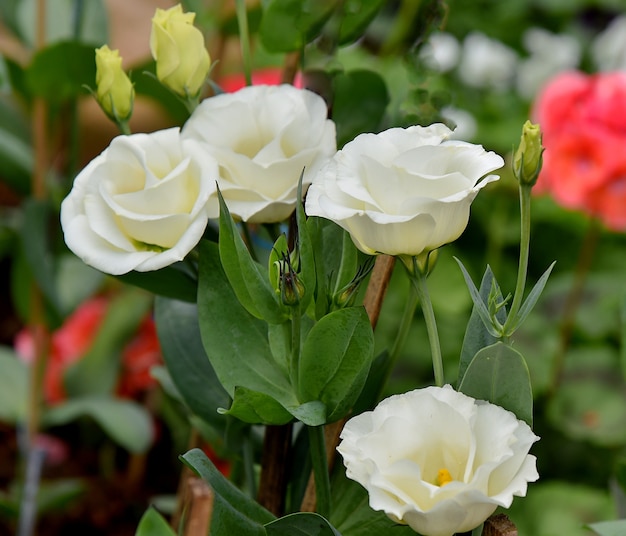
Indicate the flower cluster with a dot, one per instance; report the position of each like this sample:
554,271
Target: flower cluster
583,131
145,203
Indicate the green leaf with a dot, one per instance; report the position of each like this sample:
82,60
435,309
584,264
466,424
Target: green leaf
622,335
75,282
477,336
304,247
480,306
301,524
233,511
173,281
35,242
153,524
58,73
16,153
96,372
257,408
356,16
310,413
249,279
609,528
288,25
359,103
531,299
590,409
335,360
336,260
13,387
186,360
498,374
352,514
236,342
126,422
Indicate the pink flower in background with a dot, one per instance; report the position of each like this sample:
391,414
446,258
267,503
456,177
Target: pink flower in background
583,119
74,338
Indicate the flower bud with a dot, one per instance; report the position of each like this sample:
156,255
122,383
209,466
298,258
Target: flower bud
114,92
182,61
291,288
529,155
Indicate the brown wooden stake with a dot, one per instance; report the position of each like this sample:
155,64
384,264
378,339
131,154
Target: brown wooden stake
186,473
373,302
275,465
499,525
198,507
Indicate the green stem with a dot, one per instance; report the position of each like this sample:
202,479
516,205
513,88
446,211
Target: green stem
401,335
294,365
524,197
244,39
248,463
419,282
124,127
320,469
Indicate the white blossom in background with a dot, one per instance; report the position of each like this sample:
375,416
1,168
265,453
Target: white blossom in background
142,204
549,54
487,63
608,50
441,52
465,123
263,137
438,460
403,191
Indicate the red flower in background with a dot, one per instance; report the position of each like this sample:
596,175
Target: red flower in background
271,76
583,120
73,339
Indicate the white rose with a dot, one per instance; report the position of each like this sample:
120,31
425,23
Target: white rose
263,137
140,205
403,191
438,460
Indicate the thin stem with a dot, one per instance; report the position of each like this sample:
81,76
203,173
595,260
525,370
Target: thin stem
317,443
419,282
294,364
248,464
244,39
524,197
401,334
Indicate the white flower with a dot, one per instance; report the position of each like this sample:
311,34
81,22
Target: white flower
438,460
140,205
403,191
609,48
441,52
487,63
549,54
263,137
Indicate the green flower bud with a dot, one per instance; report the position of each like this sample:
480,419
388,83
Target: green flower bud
529,155
182,61
291,288
114,90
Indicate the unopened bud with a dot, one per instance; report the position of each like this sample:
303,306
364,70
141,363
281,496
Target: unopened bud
182,61
114,90
529,155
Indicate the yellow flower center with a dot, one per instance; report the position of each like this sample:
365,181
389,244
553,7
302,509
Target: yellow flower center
443,477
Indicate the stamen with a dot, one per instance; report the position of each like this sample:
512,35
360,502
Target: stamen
443,477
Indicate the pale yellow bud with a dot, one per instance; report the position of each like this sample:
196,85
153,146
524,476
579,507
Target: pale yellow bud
182,61
528,158
114,90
